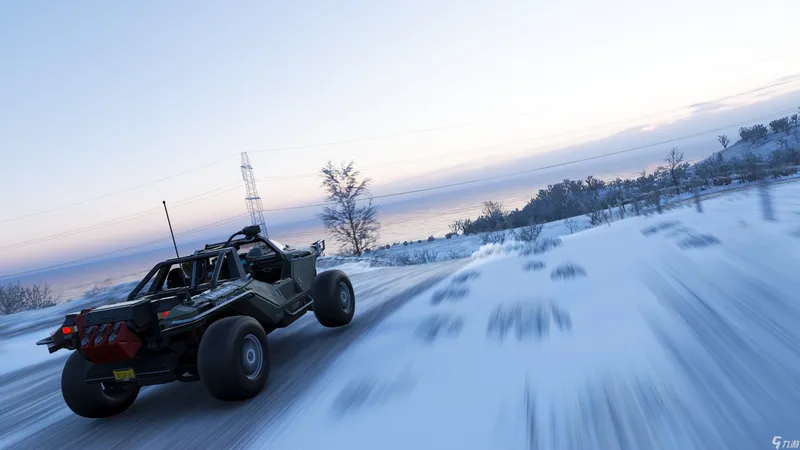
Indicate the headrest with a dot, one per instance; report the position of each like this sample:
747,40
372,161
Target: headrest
255,252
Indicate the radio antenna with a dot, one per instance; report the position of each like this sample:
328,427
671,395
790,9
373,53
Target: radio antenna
170,229
175,244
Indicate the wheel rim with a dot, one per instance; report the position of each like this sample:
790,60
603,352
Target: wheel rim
252,356
345,300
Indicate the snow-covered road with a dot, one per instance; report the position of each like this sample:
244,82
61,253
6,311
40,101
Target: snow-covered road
182,415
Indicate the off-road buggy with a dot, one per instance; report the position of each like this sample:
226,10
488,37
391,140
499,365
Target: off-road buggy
203,317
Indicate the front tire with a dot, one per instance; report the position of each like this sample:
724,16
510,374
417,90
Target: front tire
334,299
233,359
93,400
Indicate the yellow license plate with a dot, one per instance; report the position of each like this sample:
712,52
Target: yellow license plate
124,375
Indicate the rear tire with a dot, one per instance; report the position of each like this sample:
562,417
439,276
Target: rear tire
334,298
93,400
233,358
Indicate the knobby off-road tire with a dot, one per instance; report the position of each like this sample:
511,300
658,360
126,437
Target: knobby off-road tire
233,358
334,298
93,400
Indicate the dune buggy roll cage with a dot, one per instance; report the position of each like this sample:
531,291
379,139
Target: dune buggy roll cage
161,270
225,253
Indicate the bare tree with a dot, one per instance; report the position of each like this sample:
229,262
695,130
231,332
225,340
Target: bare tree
571,225
675,167
494,212
723,140
457,226
355,227
16,297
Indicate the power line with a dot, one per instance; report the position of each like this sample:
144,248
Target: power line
119,250
414,191
297,147
134,216
437,156
552,166
105,196
443,127
349,141
385,136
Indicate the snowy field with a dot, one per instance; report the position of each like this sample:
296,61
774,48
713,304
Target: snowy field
674,331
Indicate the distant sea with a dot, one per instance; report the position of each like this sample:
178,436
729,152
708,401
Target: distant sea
427,216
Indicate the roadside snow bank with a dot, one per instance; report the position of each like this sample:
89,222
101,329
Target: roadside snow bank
676,331
12,325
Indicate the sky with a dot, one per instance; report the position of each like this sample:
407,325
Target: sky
103,103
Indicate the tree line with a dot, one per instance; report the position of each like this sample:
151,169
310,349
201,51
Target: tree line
592,197
357,229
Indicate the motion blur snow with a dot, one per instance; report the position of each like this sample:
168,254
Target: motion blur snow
677,331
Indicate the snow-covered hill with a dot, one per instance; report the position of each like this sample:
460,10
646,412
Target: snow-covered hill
677,331
765,147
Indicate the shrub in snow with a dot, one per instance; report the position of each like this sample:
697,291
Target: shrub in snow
401,259
567,271
699,241
419,241
522,248
528,233
722,181
598,217
405,243
527,320
450,293
660,227
539,247
420,257
15,298
439,325
531,266
425,256
494,237
94,291
431,238
449,235
453,254
465,276
365,393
